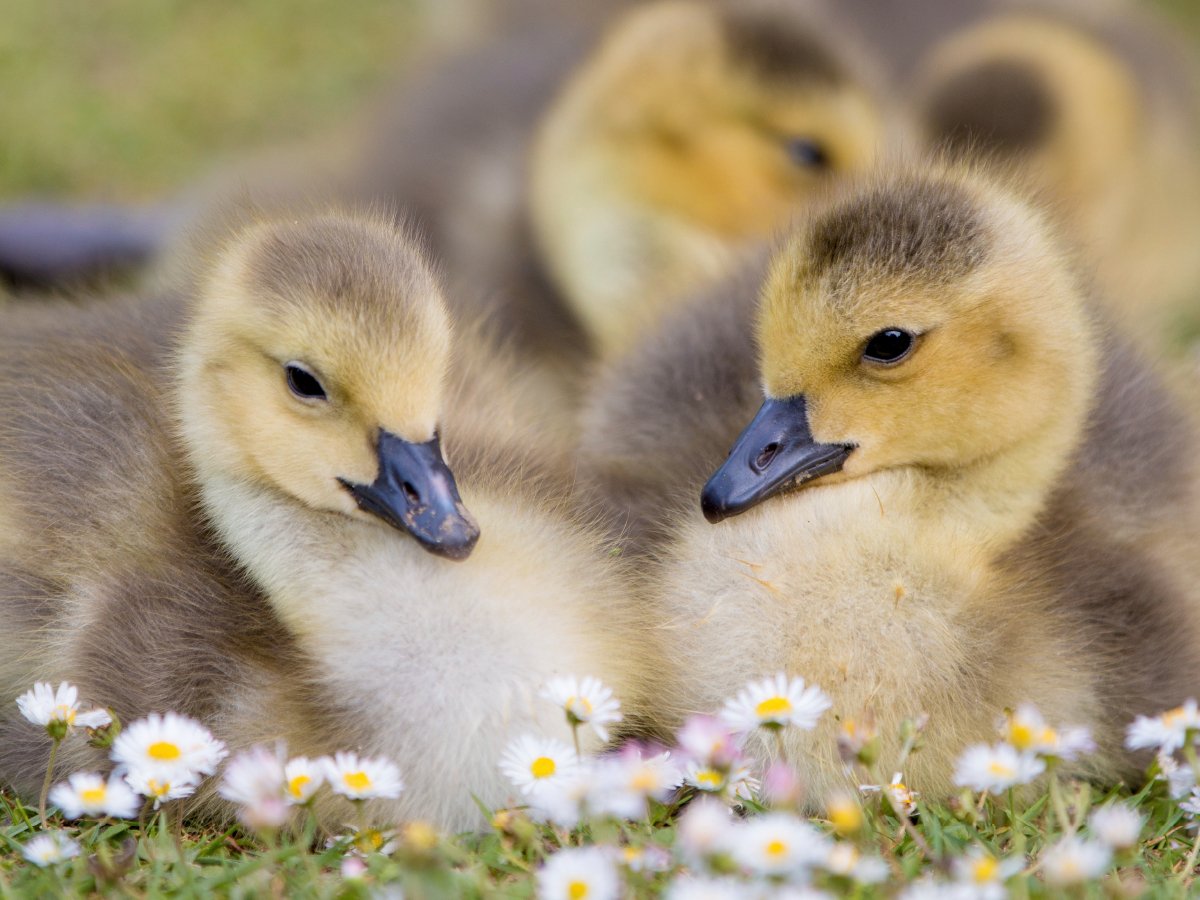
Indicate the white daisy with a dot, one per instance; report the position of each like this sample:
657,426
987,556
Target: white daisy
562,801
301,779
779,844
625,781
844,859
162,789
1072,861
705,828
586,702
48,849
1180,779
733,784
903,800
996,768
844,812
579,873
709,742
1167,732
58,711
985,873
168,748
255,781
532,763
1191,805
774,703
88,794
362,779
1026,730
1116,825
694,888
647,858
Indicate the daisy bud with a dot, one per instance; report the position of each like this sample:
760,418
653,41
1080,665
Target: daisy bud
857,741
780,786
844,814
102,736
353,867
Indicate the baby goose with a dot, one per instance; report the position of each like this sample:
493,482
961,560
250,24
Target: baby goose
231,502
960,492
1101,114
690,133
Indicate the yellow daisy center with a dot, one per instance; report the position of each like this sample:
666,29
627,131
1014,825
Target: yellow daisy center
644,780
543,767
773,706
163,750
579,705
1020,735
92,795
1173,716
159,789
357,780
997,768
296,785
710,779
985,870
63,713
631,854
577,890
775,849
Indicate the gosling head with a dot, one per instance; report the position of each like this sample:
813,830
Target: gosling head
1050,100
694,129
919,320
313,367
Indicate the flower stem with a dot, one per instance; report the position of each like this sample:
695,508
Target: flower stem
575,734
1060,807
1017,844
46,783
779,745
1190,865
179,828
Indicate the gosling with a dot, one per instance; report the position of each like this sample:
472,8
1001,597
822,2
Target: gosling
231,501
961,490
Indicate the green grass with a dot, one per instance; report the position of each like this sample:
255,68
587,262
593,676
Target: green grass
129,99
123,860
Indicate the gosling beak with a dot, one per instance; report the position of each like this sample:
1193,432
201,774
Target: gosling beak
415,492
774,453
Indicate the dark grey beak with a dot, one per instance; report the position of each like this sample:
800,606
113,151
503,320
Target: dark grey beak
415,492
774,453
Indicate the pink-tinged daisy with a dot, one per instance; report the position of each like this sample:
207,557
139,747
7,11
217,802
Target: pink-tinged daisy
362,779
1165,733
774,703
89,794
586,702
704,829
626,781
254,781
996,768
709,742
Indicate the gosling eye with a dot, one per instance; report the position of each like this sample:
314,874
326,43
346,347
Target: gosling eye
303,383
806,153
888,346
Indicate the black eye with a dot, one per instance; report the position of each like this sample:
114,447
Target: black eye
807,153
303,383
889,345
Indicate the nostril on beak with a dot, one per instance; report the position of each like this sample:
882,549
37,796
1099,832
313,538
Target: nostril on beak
764,458
410,493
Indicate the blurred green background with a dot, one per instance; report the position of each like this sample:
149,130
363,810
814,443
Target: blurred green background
128,99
